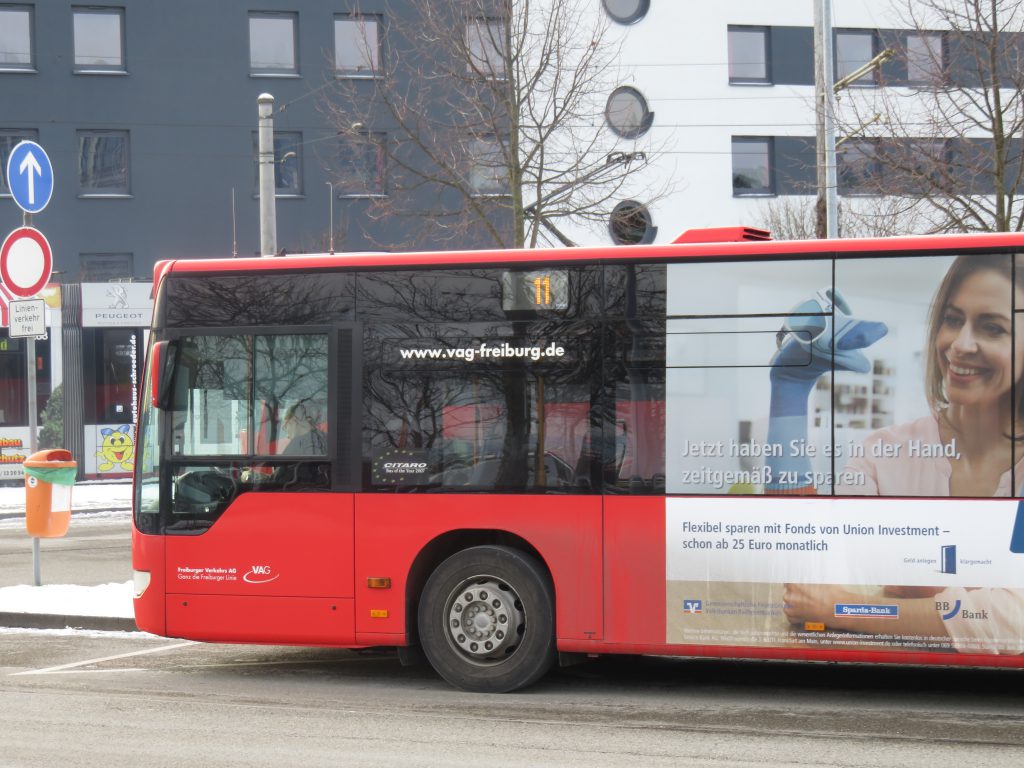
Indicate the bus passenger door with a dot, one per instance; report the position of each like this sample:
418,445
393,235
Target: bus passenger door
259,517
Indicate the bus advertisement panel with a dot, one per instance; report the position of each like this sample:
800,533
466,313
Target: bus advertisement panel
893,378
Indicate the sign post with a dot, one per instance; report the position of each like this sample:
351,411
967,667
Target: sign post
26,263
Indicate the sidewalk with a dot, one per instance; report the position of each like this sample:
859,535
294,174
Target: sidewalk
105,607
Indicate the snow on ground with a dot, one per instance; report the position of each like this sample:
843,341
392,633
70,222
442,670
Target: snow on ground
95,501
69,600
85,497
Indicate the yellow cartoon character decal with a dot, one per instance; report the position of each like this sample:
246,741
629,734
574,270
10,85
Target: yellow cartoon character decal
118,448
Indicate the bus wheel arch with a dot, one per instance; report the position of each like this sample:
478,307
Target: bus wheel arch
486,618
439,549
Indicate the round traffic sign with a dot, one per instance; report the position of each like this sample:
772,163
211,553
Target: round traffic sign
26,262
29,176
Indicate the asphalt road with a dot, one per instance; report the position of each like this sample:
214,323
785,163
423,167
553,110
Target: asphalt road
87,699
118,700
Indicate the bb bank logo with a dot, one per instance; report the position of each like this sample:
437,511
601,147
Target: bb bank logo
260,574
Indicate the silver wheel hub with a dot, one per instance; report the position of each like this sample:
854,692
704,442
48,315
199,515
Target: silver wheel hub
485,619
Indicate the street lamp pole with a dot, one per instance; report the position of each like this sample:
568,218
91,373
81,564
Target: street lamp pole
827,208
265,155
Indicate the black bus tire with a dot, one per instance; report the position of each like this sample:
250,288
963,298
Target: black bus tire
486,620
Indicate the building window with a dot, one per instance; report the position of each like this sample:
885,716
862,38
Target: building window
9,139
751,166
106,267
631,224
925,63
103,163
287,163
99,39
273,41
748,55
362,166
16,52
916,167
626,11
854,49
627,114
488,170
486,48
356,46
857,168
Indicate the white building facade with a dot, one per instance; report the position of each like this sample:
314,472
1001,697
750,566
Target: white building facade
722,101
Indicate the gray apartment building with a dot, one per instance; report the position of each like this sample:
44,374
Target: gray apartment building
148,113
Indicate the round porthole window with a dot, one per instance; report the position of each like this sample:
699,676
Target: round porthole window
631,224
626,11
627,114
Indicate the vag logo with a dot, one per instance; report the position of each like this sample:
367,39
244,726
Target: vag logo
260,574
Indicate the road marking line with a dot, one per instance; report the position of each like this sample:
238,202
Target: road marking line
62,667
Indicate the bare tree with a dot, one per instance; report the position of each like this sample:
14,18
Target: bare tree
489,116
943,136
795,217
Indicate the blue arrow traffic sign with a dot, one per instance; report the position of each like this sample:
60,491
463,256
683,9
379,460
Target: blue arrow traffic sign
30,177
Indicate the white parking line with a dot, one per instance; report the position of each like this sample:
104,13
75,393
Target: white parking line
65,667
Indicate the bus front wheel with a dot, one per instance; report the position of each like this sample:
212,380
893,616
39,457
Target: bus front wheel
486,620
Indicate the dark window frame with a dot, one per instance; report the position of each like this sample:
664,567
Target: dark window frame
486,63
375,68
275,71
30,65
479,179
621,222
104,260
92,190
868,80
934,79
766,78
362,146
862,181
640,9
770,189
285,143
119,68
619,128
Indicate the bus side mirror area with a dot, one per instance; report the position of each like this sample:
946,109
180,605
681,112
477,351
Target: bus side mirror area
165,355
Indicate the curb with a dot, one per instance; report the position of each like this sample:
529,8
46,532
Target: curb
59,621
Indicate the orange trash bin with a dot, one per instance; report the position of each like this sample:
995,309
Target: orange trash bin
49,477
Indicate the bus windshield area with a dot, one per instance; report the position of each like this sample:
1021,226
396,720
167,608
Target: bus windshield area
248,413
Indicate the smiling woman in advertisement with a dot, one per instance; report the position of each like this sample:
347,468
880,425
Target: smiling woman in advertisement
969,445
970,441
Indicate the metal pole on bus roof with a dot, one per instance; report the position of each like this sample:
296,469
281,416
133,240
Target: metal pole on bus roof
265,161
331,246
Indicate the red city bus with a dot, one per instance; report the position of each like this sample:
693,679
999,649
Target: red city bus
747,449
